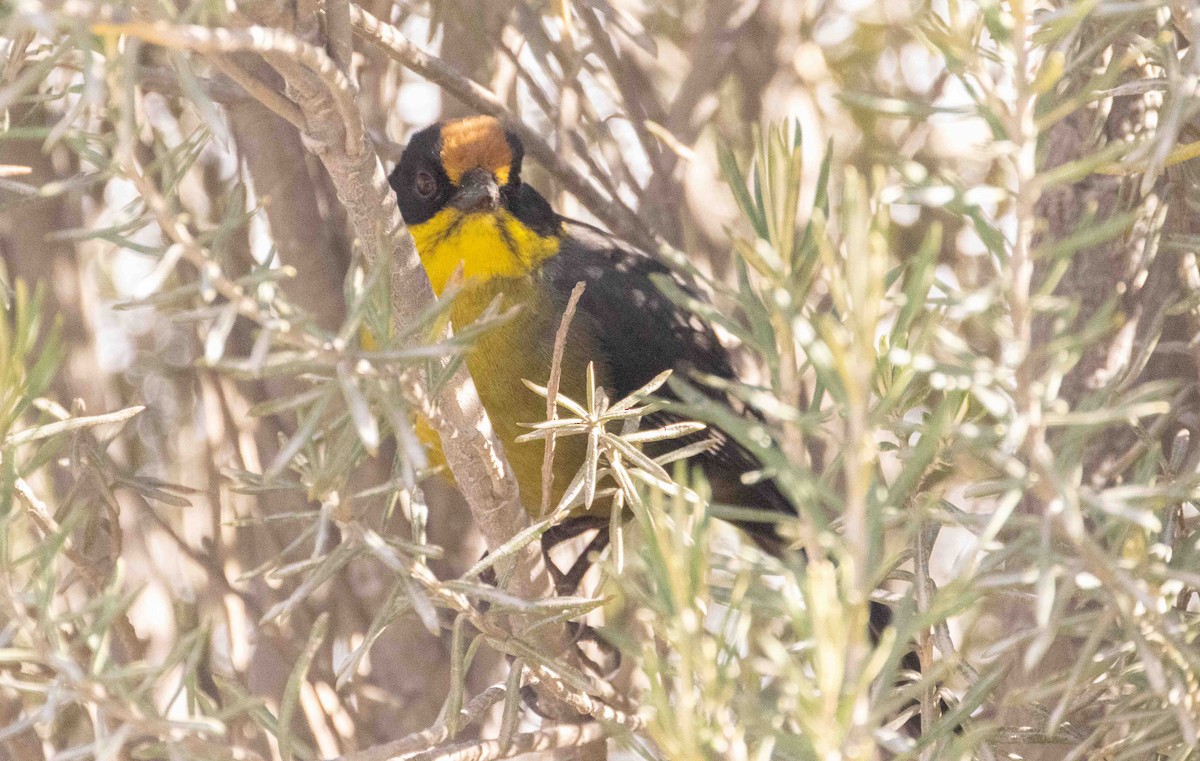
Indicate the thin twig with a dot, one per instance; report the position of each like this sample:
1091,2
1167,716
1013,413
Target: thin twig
255,39
540,673
16,55
711,52
275,101
922,588
636,92
39,513
438,733
166,81
337,30
560,343
548,738
72,424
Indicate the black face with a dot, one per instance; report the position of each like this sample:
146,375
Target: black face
421,184
423,188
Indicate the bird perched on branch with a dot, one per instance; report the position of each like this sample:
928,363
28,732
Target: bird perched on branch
461,193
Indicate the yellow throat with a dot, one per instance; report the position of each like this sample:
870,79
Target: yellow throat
498,255
486,245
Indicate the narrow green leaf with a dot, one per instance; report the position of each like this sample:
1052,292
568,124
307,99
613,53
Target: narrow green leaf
298,677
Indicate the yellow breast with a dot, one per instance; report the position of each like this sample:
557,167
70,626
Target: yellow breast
519,348
484,245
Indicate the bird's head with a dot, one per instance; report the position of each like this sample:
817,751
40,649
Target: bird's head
463,165
459,187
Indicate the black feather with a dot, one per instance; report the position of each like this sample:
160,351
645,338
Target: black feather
643,332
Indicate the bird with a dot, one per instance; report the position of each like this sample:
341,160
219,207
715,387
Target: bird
478,225
461,193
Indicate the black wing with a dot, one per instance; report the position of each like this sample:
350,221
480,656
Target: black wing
641,333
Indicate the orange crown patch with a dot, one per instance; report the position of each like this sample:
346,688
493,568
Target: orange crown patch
476,141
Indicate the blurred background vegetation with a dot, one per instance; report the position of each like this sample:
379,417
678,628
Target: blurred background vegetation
953,244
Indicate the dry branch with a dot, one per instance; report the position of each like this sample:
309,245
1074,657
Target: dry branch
255,39
260,91
549,738
434,735
560,343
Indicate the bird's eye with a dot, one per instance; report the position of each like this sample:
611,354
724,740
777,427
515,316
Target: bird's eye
425,185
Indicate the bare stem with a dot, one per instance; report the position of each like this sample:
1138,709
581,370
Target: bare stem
560,343
337,29
256,39
260,91
548,738
438,733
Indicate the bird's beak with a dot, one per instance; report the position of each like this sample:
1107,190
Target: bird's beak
477,191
